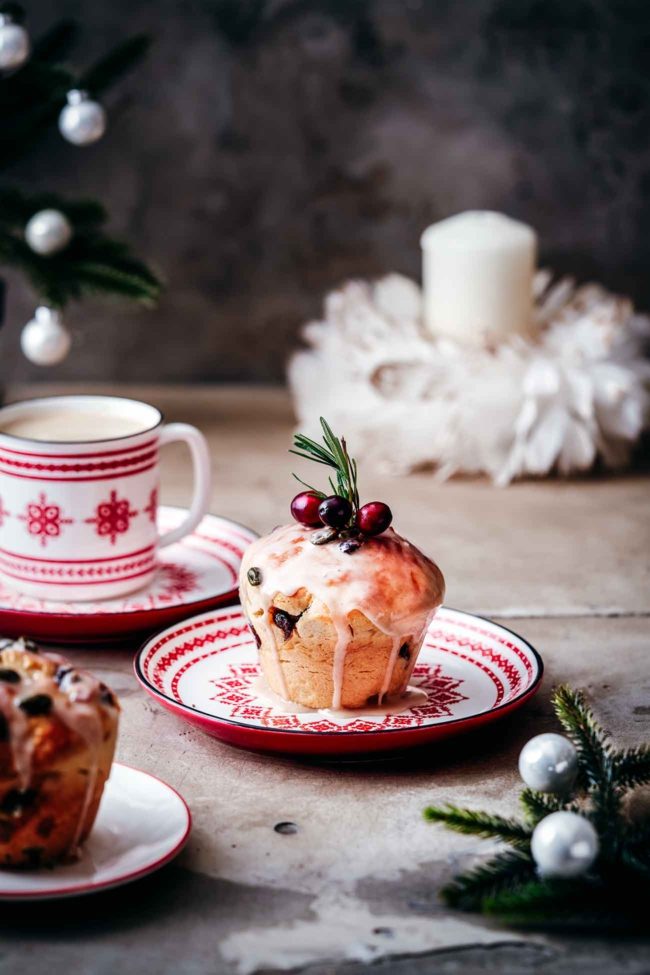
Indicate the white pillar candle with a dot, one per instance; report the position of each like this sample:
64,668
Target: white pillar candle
477,276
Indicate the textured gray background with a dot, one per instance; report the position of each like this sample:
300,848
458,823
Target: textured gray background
267,151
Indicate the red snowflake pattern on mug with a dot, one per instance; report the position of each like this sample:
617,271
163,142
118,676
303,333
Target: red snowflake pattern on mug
3,513
112,517
44,519
152,506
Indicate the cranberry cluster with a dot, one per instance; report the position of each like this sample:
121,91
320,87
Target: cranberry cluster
337,514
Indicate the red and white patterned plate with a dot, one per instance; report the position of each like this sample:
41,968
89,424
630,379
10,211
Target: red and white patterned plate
204,670
141,825
198,573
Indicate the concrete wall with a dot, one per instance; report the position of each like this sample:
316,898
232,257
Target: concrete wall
258,161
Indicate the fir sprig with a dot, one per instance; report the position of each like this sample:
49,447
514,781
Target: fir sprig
475,823
31,99
333,452
92,262
616,888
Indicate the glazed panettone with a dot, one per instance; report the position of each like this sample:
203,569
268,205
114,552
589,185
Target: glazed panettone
339,603
58,727
338,629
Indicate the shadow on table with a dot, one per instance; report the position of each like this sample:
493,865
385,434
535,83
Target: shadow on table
499,744
172,904
171,890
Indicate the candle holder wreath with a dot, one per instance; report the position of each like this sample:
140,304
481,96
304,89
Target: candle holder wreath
580,857
564,393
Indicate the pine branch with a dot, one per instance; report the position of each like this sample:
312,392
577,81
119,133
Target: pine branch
475,823
595,761
17,206
115,65
505,871
580,725
615,891
537,805
31,99
56,42
94,278
91,263
545,900
632,767
637,859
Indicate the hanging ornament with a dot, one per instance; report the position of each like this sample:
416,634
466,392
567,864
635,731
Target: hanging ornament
82,121
549,763
14,43
48,232
564,844
45,340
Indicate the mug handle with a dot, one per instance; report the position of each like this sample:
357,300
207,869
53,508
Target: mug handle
202,477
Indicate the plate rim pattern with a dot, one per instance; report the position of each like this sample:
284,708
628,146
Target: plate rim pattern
151,644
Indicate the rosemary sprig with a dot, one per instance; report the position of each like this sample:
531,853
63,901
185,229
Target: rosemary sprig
333,452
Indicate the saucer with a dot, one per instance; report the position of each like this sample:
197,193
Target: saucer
195,574
141,825
206,670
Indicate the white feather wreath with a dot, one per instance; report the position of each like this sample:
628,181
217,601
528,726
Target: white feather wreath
407,401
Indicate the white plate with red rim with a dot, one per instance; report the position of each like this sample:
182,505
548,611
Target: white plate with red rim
205,670
199,572
142,824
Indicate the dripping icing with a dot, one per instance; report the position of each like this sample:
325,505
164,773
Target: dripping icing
391,582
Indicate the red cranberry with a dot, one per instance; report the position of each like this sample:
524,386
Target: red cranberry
304,509
374,518
335,511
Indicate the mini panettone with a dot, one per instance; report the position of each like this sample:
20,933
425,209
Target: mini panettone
58,728
339,604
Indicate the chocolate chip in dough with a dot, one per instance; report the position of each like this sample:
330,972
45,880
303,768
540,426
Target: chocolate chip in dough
16,801
62,672
45,827
284,621
9,676
106,696
254,576
36,705
404,652
34,855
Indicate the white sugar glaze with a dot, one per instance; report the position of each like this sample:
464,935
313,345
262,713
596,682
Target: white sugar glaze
76,701
413,697
394,585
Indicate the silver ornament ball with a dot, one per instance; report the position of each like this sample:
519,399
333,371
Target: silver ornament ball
82,121
48,232
564,844
45,340
549,763
14,44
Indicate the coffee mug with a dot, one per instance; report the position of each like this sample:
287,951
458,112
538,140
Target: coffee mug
79,480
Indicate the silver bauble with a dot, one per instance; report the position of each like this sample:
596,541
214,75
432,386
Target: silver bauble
549,763
14,44
82,121
45,340
564,844
48,232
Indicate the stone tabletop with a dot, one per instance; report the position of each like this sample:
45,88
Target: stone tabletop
565,564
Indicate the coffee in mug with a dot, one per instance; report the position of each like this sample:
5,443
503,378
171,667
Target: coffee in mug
66,426
79,484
